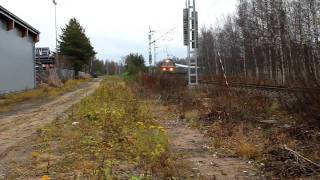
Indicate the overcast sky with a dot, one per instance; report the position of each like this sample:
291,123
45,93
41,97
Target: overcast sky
119,27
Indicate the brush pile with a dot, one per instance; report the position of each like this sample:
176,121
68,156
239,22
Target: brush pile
286,162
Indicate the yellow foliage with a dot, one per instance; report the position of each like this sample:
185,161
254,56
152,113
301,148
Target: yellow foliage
115,125
45,177
35,155
151,143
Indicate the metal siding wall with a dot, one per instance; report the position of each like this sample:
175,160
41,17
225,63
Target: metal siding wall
16,61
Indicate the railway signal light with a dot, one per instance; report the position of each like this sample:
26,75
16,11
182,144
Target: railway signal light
186,26
195,26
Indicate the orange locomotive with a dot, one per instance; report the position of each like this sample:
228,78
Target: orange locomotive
168,66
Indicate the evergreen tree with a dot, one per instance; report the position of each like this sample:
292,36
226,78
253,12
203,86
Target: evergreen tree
134,64
76,45
98,67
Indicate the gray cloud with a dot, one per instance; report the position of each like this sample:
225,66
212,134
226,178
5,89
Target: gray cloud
118,27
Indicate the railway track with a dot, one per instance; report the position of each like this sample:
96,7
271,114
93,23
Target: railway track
264,87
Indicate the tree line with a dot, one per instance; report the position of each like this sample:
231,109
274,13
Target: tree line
107,67
270,41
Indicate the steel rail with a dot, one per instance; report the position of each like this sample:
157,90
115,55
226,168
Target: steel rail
263,87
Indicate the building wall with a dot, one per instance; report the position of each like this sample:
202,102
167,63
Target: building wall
17,71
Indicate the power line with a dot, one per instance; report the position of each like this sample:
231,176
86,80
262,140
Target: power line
154,43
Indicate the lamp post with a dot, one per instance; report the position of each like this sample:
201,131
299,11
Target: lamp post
55,17
56,31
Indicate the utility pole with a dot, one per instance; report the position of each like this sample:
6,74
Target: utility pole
55,19
150,43
151,32
56,30
190,34
154,53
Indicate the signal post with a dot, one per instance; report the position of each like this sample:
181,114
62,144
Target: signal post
191,38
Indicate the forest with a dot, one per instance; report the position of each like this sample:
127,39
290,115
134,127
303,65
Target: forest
267,42
274,41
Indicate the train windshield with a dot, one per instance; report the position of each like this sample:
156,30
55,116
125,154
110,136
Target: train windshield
168,62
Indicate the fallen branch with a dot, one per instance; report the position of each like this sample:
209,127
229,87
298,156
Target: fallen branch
302,157
288,163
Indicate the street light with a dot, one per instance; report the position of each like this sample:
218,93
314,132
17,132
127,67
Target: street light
55,17
56,29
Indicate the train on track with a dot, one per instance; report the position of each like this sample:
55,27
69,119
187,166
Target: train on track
168,65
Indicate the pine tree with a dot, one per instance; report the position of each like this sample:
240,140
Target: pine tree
76,45
134,63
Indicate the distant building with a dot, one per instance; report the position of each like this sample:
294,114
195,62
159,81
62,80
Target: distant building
44,56
17,53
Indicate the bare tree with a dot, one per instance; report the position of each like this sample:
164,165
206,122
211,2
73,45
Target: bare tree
269,41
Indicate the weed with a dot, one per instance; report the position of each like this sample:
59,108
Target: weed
247,149
114,129
35,155
151,143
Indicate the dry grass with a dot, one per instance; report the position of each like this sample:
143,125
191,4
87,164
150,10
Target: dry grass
8,101
115,138
234,120
247,150
235,123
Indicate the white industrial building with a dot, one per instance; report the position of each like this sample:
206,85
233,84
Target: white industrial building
17,53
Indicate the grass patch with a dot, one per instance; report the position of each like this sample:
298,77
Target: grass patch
8,101
108,135
248,150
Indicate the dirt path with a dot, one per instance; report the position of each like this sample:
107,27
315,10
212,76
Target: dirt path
15,129
192,148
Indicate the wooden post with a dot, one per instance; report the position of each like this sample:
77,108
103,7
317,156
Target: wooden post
24,32
10,25
36,38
